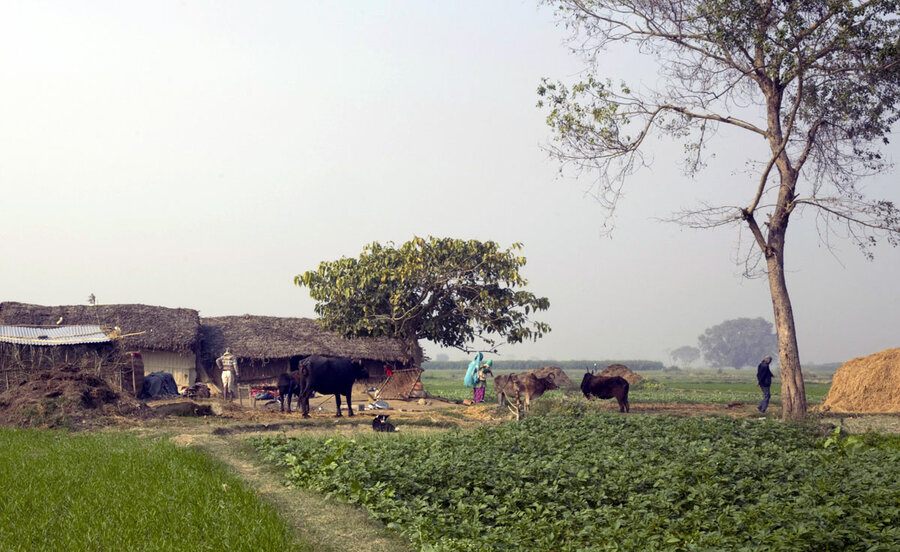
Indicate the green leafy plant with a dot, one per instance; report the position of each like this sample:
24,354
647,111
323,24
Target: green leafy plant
590,480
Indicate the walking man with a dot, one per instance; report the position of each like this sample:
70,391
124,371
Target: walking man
229,366
764,382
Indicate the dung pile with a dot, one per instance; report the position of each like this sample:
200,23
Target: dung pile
622,371
866,384
64,396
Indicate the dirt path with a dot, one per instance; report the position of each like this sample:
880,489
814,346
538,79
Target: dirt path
319,523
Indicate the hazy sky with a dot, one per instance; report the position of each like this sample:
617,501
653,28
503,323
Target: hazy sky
201,154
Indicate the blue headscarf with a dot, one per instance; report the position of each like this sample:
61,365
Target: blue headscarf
472,371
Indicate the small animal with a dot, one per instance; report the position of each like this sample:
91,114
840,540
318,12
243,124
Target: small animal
380,423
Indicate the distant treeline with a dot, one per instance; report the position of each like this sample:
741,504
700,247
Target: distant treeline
827,368
566,365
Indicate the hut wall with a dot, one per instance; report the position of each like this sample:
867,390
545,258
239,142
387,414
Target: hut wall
252,371
182,366
21,363
261,371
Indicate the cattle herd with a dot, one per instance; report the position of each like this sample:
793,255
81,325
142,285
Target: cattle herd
512,388
336,375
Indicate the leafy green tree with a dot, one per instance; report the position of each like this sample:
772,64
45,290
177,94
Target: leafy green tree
738,343
815,82
685,355
447,291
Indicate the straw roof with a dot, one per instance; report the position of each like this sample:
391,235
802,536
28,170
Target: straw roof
157,328
268,337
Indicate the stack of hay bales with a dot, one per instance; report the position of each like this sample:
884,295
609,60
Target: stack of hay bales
866,384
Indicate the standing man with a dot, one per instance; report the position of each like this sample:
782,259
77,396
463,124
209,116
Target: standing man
764,382
229,366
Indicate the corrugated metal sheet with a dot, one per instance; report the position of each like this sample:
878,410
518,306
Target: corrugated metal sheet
59,335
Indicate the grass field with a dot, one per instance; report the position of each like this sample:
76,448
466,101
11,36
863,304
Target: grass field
111,491
658,387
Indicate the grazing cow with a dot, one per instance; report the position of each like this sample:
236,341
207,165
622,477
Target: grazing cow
557,375
328,376
606,388
504,384
501,383
532,387
517,385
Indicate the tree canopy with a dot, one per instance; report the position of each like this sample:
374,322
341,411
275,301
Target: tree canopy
815,82
686,354
739,342
447,291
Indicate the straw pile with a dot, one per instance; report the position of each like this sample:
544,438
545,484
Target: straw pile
866,384
622,371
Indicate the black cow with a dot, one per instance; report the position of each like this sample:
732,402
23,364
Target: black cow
606,388
328,376
289,385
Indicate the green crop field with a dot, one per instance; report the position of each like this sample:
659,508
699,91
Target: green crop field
604,481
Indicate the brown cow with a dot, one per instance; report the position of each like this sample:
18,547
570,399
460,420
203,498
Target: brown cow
517,385
501,383
532,387
556,373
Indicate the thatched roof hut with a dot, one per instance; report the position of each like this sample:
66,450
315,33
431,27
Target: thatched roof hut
147,327
265,346
164,339
262,337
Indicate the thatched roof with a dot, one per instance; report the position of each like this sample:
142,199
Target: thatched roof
270,337
157,328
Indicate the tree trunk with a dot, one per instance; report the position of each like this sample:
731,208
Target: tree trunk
793,392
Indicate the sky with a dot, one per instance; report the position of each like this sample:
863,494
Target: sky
201,154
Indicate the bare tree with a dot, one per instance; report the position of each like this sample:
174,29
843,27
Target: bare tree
816,81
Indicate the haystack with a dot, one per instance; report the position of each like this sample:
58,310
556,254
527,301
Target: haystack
866,384
622,371
557,374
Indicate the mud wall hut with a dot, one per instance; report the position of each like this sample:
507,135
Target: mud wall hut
267,346
164,339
